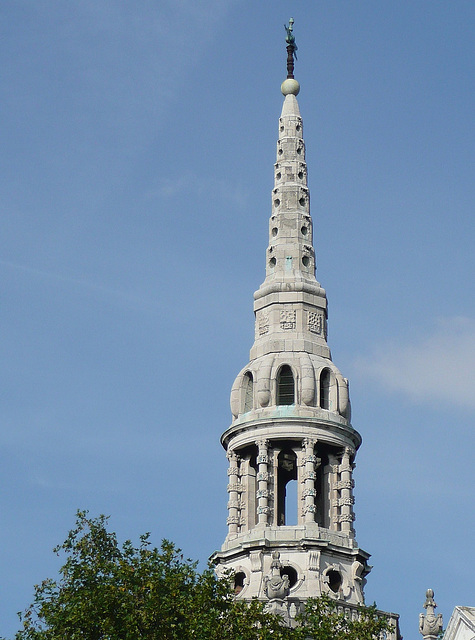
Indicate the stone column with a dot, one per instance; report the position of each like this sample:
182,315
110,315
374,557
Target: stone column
262,493
233,490
333,489
309,492
346,496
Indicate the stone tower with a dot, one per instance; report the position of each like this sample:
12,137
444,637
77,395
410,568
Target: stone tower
291,446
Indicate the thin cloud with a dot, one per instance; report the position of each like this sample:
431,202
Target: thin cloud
439,369
190,183
123,67
124,297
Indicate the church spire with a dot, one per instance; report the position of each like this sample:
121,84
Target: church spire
291,446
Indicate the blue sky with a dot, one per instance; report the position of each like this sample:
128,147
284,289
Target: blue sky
137,149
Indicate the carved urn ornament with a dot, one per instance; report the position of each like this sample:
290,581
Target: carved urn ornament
430,625
276,586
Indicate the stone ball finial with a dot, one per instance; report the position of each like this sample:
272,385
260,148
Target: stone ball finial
290,86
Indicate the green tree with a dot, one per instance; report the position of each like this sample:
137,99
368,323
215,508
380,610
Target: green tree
111,592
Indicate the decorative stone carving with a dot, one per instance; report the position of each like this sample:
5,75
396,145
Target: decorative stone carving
347,501
315,322
275,585
263,493
263,322
263,510
233,471
345,484
346,517
288,319
256,561
236,486
313,560
263,476
430,625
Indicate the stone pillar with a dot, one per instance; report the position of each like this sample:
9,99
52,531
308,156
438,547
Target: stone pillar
333,489
346,496
309,492
262,493
233,520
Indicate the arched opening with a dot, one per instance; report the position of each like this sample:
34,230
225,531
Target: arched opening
247,392
291,503
285,386
334,580
325,380
291,573
239,578
286,472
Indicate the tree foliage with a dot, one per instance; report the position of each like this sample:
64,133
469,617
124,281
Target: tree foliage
111,592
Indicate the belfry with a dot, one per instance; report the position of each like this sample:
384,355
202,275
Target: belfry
291,414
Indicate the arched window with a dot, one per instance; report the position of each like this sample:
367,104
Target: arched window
285,386
286,475
239,579
325,389
247,392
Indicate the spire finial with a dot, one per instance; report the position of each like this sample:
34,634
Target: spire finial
290,85
291,48
430,625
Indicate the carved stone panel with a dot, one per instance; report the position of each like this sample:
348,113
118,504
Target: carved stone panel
288,319
262,322
315,322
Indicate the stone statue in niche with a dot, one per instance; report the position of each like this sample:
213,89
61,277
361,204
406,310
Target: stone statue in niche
276,586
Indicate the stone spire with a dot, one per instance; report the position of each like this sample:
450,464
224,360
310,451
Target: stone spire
290,263
291,420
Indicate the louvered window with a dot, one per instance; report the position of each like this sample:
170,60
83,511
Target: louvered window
248,392
285,386
325,389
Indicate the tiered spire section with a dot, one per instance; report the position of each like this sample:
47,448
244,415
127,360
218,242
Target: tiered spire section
290,299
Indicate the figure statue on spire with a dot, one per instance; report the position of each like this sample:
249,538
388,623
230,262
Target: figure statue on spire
291,48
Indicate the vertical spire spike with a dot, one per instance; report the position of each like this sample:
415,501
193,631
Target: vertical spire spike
291,48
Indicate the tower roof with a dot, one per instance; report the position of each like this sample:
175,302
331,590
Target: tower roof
291,306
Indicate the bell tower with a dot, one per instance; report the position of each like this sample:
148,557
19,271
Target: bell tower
291,446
